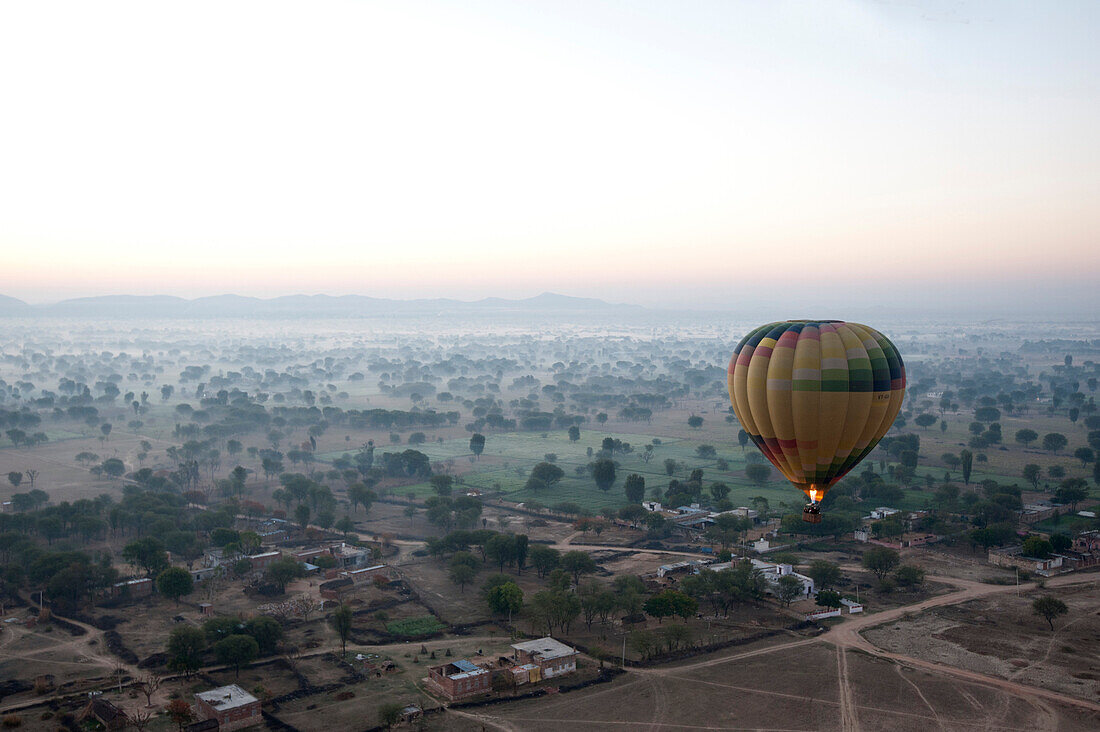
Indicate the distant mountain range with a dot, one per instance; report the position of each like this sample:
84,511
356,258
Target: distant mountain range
154,306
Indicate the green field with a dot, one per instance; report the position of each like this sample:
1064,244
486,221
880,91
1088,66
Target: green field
54,435
508,458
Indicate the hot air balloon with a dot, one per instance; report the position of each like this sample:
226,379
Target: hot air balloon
816,396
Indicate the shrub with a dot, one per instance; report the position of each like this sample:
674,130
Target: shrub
12,720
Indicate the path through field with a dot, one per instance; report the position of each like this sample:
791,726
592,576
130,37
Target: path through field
648,684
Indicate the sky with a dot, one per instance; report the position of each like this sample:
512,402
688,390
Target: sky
688,154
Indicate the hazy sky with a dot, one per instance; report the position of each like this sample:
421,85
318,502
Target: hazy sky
676,152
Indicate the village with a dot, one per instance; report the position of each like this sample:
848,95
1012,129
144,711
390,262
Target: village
394,591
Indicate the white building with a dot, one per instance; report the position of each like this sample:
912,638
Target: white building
772,572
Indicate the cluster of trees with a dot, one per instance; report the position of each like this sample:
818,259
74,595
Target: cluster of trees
232,641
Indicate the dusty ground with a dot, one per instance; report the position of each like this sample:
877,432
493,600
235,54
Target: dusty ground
1001,636
775,688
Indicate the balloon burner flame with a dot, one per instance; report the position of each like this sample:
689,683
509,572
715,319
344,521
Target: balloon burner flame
813,495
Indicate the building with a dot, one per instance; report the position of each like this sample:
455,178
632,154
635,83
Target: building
772,572
306,555
350,557
232,706
104,712
882,512
204,573
368,574
460,679
688,566
1039,511
261,561
142,587
553,658
1013,557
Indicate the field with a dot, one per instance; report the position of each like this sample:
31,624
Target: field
509,457
770,686
1002,637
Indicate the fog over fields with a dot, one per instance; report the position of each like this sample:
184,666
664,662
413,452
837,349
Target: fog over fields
145,434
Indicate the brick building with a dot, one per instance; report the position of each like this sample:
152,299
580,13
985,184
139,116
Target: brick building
460,679
262,561
232,706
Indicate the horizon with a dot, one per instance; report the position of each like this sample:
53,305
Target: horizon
666,157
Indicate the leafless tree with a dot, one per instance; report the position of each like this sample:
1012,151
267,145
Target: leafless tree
140,718
148,686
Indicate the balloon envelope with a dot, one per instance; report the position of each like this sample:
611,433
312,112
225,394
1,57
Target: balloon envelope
816,396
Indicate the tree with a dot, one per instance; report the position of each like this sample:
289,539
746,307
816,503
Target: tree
1054,441
15,478
236,651
175,582
828,598
1032,473
341,622
1037,547
603,472
987,414
1025,436
1049,608
266,631
521,548
113,467
788,589
505,599
462,575
758,473
501,548
574,433
909,575
441,484
880,560
925,420
301,514
282,571
148,686
578,562
544,559
966,458
180,712
1071,491
695,422
186,645
634,488
670,602
148,554
824,573
389,714
477,444
545,475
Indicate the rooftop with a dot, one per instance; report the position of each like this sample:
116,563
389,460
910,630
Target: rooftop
546,647
227,697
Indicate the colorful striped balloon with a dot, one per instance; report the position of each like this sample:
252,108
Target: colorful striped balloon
816,396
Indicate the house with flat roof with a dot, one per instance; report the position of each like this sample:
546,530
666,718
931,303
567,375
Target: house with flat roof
232,706
553,657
